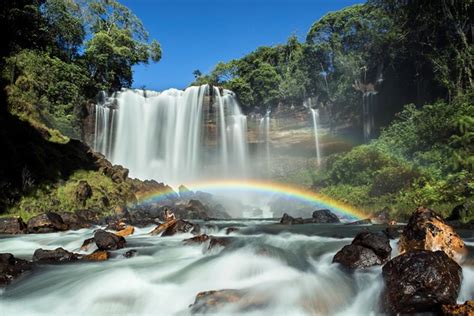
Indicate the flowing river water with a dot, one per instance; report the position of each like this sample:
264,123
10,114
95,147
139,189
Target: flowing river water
287,268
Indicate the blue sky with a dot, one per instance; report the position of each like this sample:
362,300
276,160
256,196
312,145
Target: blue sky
197,34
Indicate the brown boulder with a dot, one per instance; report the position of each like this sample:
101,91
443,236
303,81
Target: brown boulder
196,240
426,230
99,255
46,223
108,241
466,309
12,225
181,226
162,227
127,231
87,244
420,281
58,255
11,268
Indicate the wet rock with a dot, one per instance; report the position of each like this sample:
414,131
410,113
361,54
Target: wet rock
212,301
379,243
117,173
355,257
108,241
99,255
79,219
367,249
127,231
196,210
58,255
392,232
420,281
426,230
230,230
11,268
196,240
46,223
130,254
12,225
162,227
289,220
466,309
83,192
366,221
181,226
325,216
87,244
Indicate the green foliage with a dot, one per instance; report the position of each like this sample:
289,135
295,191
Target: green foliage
422,158
46,89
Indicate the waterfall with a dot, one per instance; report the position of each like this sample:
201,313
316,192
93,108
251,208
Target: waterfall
368,114
315,114
264,138
166,136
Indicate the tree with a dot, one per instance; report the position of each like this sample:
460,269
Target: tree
197,73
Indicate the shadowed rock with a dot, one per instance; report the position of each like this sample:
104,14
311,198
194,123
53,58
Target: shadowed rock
366,221
325,216
83,192
181,226
420,281
11,268
366,250
108,241
58,255
46,223
289,220
12,225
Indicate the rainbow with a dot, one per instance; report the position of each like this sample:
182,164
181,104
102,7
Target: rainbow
318,200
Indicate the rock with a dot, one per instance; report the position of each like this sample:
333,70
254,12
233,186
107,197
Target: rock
11,268
355,257
466,309
196,210
212,301
392,232
108,241
325,216
181,226
117,173
131,253
196,240
230,230
12,225
79,219
87,244
83,192
121,213
366,221
58,255
162,227
379,243
367,249
46,223
127,231
426,230
420,281
289,220
185,193
99,255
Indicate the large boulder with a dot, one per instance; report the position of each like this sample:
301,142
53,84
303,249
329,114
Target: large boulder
181,226
108,241
80,219
58,255
11,268
83,192
426,230
289,220
466,309
212,301
12,225
126,231
46,223
325,216
366,250
420,281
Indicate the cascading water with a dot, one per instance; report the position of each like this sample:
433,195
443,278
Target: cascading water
368,114
164,136
264,137
315,115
